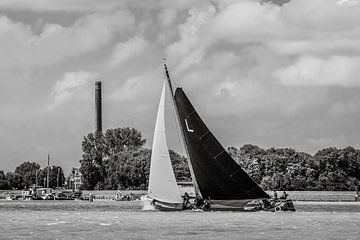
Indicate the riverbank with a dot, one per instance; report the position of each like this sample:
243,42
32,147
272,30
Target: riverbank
311,196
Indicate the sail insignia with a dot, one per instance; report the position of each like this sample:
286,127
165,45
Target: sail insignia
187,126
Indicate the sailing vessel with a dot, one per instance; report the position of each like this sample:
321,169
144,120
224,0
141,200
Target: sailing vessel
216,175
218,180
163,191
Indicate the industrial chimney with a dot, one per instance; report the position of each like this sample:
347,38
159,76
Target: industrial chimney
98,107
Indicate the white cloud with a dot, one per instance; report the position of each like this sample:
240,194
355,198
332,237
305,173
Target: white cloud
128,91
311,71
348,2
95,5
167,17
125,51
193,41
22,48
299,27
69,85
62,5
223,53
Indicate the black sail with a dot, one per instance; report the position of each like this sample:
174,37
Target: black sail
217,175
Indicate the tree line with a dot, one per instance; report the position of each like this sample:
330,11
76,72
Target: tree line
330,169
29,174
117,159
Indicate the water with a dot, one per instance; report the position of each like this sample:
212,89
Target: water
126,220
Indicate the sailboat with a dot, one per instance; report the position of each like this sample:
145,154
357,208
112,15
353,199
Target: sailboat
163,191
216,175
217,178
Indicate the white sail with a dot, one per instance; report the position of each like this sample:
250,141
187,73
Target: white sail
162,182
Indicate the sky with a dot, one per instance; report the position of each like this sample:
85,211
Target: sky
271,73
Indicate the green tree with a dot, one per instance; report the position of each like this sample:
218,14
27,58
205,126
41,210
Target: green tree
120,139
56,177
180,167
99,151
92,167
129,169
28,171
3,182
14,180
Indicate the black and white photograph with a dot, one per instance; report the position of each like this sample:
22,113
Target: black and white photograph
169,119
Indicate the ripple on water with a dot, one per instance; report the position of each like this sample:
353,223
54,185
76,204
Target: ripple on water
126,220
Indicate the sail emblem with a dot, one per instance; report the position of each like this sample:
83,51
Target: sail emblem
187,126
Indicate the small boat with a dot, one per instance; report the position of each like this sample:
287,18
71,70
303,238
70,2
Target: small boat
10,197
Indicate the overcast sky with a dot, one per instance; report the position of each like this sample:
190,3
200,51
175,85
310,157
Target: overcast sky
270,74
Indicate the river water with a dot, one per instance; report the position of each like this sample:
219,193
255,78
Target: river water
127,220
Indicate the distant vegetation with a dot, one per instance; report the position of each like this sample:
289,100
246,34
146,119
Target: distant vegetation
330,169
118,160
25,176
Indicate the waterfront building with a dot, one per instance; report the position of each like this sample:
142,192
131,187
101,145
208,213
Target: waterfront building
75,179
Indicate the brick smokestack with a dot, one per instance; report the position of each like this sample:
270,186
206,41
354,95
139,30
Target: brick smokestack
98,107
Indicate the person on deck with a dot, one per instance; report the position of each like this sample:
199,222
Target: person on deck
275,195
207,203
199,202
186,203
284,195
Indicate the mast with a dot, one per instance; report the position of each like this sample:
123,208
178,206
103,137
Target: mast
197,191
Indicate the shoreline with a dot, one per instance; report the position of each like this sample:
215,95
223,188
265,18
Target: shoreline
296,196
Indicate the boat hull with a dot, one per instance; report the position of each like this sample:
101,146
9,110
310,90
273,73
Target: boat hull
229,205
164,206
160,205
282,205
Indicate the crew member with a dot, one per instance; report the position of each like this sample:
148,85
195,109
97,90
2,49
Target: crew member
275,195
284,195
186,203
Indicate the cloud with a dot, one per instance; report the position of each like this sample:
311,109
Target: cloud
125,51
61,5
322,15
191,46
311,71
22,48
167,17
128,91
298,27
69,85
95,5
241,62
